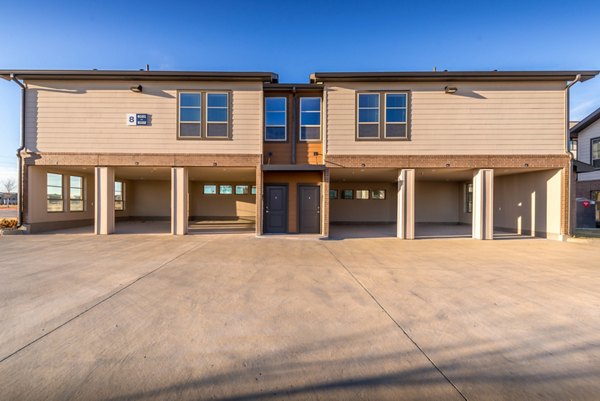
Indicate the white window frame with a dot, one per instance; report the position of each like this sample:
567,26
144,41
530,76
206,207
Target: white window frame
179,107
358,123
311,125
385,108
226,122
285,119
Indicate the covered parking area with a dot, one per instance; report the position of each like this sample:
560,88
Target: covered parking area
445,203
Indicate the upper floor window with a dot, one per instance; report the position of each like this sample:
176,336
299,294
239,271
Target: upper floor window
368,115
374,108
204,115
310,119
54,191
596,152
275,119
217,115
190,114
76,194
395,115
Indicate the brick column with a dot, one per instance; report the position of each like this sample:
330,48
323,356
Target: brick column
179,201
259,200
406,204
104,217
325,204
483,204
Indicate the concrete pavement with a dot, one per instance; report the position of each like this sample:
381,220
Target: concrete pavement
233,317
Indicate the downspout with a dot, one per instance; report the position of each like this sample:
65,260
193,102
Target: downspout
294,125
21,148
567,139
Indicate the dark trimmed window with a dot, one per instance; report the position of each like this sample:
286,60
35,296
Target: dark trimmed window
119,195
54,192
382,115
75,193
204,115
275,119
595,152
310,118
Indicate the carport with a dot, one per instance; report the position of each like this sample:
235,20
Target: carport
443,203
527,202
363,202
142,200
222,200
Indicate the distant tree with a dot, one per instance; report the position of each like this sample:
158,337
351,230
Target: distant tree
9,185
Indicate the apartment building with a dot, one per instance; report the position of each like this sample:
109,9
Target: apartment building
585,137
409,153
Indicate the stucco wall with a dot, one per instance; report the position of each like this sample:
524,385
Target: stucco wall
363,211
221,206
436,202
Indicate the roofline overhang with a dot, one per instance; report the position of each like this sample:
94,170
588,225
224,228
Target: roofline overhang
138,75
586,122
276,87
448,76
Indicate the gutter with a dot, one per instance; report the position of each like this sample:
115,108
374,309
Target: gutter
567,138
293,133
13,77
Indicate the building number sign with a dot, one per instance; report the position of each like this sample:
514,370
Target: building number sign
137,119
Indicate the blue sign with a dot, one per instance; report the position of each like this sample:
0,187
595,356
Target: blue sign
141,119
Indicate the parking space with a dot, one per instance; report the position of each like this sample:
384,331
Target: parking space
194,317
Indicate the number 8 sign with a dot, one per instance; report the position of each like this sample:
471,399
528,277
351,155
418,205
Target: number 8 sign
131,119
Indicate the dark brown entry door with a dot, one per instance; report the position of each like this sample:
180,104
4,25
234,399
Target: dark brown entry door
309,208
275,209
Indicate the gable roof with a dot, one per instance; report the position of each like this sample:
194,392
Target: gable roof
586,122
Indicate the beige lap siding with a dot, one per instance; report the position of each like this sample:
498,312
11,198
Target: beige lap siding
481,118
78,116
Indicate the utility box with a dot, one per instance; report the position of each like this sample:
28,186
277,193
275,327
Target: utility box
586,213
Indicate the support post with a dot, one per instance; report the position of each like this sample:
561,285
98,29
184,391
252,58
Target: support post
483,204
104,207
406,204
179,201
325,203
259,200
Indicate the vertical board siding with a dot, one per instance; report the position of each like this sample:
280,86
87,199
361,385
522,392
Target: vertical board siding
91,117
481,118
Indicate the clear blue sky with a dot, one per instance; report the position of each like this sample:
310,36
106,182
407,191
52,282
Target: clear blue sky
294,39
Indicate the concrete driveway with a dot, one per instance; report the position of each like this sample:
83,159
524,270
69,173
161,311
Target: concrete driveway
233,317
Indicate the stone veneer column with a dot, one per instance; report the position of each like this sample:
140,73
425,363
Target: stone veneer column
179,201
483,204
104,205
406,204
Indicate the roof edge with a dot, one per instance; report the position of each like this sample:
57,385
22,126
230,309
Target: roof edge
586,122
139,75
453,76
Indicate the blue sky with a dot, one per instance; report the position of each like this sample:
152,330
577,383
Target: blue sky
294,39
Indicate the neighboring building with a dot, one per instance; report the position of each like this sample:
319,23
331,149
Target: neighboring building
8,198
585,136
425,151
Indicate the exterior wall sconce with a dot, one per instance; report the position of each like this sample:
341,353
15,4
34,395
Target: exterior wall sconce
450,89
136,88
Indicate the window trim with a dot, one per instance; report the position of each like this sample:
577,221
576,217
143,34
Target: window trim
62,192
382,103
368,191
342,194
210,185
336,194
468,203
374,190
285,113
592,141
300,125
204,114
82,188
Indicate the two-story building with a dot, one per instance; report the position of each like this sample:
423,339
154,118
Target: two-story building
410,153
585,135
